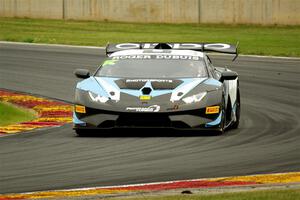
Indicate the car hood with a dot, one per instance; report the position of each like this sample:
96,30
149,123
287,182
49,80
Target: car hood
146,95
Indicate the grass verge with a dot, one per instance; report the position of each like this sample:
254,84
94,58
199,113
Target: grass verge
259,40
12,115
288,194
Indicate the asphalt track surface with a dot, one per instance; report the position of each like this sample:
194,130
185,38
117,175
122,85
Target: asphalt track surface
268,139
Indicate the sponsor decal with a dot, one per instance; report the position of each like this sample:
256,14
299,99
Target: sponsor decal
217,46
157,51
109,62
80,109
212,110
153,108
176,57
123,57
145,97
175,107
157,57
150,80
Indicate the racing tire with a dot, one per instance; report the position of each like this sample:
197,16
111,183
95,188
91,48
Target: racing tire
235,124
223,120
80,133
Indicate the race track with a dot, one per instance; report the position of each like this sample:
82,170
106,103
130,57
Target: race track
268,139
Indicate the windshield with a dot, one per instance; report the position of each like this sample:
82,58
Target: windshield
153,66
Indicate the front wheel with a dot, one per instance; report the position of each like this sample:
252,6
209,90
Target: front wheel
80,133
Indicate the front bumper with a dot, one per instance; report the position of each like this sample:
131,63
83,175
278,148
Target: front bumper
182,120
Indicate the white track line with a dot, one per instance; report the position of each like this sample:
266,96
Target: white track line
152,183
50,45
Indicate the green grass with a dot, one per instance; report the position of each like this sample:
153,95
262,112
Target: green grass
11,115
291,194
262,40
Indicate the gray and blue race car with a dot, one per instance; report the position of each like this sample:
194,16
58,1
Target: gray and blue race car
158,85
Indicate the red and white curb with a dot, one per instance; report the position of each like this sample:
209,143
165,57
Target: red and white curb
50,113
254,180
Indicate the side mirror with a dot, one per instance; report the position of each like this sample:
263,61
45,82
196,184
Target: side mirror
228,75
82,73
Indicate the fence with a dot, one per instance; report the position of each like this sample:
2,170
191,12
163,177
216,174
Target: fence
285,12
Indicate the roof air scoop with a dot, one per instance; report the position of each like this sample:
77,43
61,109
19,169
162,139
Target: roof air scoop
162,46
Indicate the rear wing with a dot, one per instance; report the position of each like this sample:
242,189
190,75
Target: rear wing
203,47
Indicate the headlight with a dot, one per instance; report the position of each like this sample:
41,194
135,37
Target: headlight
98,98
195,98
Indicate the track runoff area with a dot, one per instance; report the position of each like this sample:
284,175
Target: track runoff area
231,181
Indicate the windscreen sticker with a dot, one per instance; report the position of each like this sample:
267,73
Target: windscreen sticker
109,62
157,57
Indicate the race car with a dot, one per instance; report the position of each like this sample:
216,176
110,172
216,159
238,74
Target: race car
158,85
